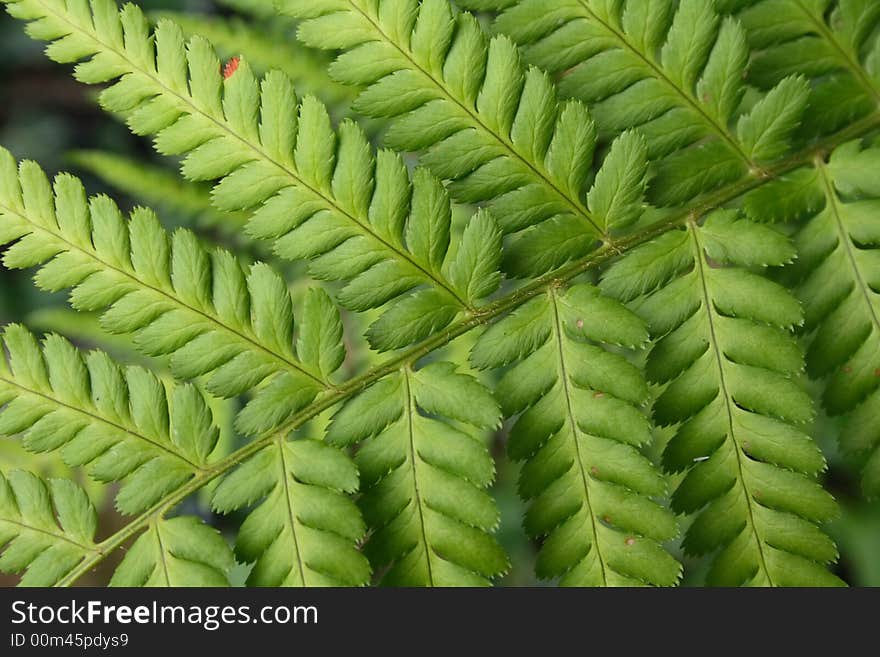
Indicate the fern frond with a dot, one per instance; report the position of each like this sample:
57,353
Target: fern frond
494,128
46,528
675,71
266,47
578,434
839,268
323,195
180,551
834,43
728,361
423,478
304,529
172,295
121,423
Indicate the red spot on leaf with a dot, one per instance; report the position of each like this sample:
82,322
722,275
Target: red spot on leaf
231,67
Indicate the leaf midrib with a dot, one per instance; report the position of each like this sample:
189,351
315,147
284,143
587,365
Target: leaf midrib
162,560
413,456
575,431
718,353
846,242
61,537
291,515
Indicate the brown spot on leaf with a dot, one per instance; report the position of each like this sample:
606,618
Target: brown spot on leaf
231,67
630,541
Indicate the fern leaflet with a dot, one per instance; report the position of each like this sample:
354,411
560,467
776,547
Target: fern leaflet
794,36
122,424
839,273
304,530
495,129
725,350
578,435
45,529
423,478
180,551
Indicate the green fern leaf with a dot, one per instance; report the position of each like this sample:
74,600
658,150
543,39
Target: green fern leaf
322,195
46,528
578,434
423,478
492,127
834,44
172,295
122,424
695,107
303,530
839,273
673,70
728,362
182,551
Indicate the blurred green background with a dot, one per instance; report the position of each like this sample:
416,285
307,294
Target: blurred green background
46,116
